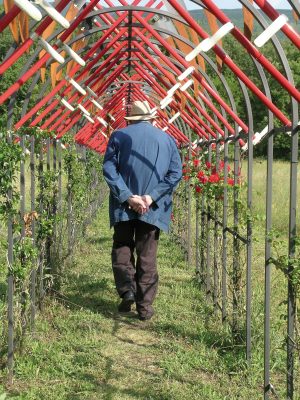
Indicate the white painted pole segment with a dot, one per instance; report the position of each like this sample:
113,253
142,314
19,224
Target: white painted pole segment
186,73
67,104
53,13
210,42
74,55
173,89
97,104
101,120
165,102
77,86
271,30
186,85
175,116
84,110
52,51
89,118
29,8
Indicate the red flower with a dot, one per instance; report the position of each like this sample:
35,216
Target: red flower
214,178
214,170
200,173
196,163
230,181
213,146
198,189
228,168
221,164
203,179
184,171
208,164
186,177
183,165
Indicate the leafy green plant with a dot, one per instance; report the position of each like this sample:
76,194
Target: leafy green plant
208,177
10,157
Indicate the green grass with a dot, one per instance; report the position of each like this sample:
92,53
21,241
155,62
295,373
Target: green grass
83,349
280,192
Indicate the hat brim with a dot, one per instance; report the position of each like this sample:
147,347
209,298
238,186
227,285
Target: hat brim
140,117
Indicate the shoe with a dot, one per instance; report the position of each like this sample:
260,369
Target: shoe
128,299
146,317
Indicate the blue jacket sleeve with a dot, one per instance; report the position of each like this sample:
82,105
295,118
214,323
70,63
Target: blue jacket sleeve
110,171
171,179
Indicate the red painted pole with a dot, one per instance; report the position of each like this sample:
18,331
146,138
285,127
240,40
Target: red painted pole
28,42
273,14
8,17
63,82
251,49
192,100
225,58
198,76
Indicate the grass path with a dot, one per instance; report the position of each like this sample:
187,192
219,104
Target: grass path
83,349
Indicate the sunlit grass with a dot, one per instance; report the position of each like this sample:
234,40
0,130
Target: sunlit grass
82,349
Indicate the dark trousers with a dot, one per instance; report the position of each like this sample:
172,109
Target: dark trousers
140,276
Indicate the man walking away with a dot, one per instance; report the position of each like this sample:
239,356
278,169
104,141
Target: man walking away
142,167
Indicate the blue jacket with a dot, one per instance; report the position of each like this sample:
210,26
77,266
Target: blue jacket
141,159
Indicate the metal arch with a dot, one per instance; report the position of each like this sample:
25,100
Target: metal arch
97,29
280,52
75,39
121,9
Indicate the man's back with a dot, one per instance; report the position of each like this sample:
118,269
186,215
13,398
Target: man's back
144,156
141,160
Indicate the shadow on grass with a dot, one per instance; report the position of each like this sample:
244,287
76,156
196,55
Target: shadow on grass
84,292
108,388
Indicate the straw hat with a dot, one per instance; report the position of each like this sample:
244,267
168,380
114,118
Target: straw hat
140,111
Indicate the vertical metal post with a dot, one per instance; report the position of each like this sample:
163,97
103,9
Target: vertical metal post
23,294
48,141
197,239
22,187
216,253
292,250
189,219
69,216
55,242
224,234
10,289
41,210
208,244
249,247
59,195
268,268
59,160
203,230
48,240
33,229
236,265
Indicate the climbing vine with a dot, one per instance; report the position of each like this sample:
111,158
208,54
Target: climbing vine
10,157
38,236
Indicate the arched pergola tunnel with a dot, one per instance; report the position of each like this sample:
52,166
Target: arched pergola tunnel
99,57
